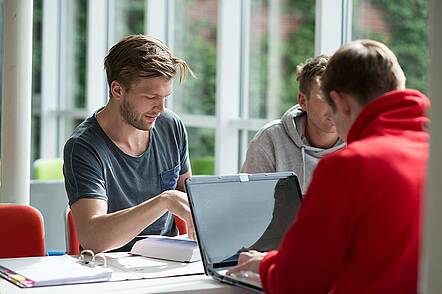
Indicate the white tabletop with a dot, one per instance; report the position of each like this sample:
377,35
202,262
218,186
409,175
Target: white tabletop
199,284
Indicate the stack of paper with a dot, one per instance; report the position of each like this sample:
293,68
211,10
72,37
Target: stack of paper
50,270
169,248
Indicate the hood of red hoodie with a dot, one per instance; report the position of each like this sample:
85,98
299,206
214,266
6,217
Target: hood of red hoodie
392,113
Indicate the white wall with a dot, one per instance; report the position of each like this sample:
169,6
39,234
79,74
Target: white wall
50,198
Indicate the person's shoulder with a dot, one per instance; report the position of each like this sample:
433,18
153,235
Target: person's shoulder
86,128
87,133
168,117
349,158
274,127
169,126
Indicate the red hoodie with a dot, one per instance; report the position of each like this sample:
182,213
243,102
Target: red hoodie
358,230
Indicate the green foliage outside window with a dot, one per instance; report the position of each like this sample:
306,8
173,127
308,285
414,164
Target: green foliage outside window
195,42
296,46
407,22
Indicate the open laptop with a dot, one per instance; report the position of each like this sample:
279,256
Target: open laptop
237,213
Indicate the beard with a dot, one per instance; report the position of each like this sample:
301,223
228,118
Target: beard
134,118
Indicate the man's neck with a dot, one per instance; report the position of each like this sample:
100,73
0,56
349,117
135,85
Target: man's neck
130,140
318,138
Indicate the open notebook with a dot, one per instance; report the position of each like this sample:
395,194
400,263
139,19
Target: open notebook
51,270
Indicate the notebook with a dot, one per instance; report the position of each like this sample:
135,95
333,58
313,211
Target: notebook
237,213
52,270
168,248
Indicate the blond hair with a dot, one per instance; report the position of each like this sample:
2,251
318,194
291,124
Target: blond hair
309,71
140,56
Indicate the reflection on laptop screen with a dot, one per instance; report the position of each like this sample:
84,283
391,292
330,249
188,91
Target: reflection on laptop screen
232,215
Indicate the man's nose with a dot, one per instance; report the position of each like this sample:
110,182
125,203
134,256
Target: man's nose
161,105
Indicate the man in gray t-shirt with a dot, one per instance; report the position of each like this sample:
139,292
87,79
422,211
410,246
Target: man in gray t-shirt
125,166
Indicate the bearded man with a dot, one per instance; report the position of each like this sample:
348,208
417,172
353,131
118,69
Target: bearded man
125,166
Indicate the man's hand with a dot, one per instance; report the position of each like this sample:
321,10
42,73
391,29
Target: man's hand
248,261
177,203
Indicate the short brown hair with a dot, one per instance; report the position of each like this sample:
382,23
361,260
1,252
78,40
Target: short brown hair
140,56
309,71
365,69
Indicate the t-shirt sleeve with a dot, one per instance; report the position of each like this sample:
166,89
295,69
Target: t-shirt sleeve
184,150
83,172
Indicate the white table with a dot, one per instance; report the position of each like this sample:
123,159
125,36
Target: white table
198,284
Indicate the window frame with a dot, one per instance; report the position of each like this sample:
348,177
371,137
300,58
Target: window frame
231,121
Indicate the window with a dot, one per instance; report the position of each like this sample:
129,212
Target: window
279,35
36,78
1,66
282,35
73,49
402,26
244,54
128,18
195,41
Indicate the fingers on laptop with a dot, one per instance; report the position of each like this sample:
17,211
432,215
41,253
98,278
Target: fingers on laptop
248,261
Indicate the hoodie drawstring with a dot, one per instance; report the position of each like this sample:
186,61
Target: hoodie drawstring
303,168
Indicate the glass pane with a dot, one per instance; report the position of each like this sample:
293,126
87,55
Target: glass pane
73,64
202,150
282,34
129,18
195,42
401,25
36,78
1,68
73,55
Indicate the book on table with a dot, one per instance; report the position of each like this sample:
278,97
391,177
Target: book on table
168,248
52,270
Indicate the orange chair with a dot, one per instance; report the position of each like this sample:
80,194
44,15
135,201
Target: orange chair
73,246
181,225
21,231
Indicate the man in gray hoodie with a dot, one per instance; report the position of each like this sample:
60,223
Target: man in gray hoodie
303,135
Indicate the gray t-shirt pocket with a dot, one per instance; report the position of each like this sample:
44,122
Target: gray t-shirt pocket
169,178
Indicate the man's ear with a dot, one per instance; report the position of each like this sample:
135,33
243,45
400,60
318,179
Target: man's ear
341,102
116,90
302,101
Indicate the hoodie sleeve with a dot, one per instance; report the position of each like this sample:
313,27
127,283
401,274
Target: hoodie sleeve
260,157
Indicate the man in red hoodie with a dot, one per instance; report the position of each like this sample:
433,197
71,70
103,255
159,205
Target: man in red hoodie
359,227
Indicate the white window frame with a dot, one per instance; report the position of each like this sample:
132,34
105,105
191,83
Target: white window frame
231,122
50,83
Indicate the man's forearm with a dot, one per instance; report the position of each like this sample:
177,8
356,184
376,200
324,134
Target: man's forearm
105,232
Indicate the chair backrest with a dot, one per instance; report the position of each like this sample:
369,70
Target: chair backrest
21,231
181,225
72,244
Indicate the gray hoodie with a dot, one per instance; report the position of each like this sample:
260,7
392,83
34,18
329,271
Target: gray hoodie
281,146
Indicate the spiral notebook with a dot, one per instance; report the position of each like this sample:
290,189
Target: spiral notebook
55,270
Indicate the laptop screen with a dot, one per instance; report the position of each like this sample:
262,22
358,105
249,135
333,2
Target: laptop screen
238,213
